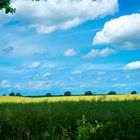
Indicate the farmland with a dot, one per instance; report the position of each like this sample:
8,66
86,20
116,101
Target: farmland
70,118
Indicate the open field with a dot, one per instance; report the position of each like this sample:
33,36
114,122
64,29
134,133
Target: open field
15,99
70,118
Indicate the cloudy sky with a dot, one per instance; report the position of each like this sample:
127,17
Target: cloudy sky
75,45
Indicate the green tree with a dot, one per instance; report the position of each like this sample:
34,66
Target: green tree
134,92
67,93
6,5
48,95
112,93
18,94
88,93
12,94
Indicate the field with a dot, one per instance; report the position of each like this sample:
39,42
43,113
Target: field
70,118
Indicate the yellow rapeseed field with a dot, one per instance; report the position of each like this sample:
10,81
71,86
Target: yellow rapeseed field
11,99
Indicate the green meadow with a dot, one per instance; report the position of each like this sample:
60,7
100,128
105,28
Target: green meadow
110,117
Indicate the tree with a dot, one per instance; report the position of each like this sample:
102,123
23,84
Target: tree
134,92
112,93
88,93
67,93
48,94
6,5
12,94
18,94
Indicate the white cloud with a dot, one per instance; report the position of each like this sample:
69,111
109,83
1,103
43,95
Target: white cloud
51,15
47,74
77,72
38,85
121,32
100,53
132,66
34,65
101,73
128,76
5,84
70,52
18,86
120,85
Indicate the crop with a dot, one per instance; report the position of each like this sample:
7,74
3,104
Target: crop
70,118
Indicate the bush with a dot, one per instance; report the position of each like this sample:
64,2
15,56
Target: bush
18,94
48,95
88,93
12,94
67,93
134,92
112,93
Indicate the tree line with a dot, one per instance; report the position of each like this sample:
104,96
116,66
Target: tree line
68,93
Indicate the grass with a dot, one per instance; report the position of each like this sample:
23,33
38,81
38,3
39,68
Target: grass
70,118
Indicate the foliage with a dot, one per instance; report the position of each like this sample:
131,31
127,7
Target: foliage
134,92
48,95
6,5
18,94
70,120
88,93
67,93
12,94
83,132
112,93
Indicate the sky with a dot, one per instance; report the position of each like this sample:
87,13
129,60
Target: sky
70,45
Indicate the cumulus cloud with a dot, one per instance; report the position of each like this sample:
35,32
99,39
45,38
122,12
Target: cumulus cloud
38,85
77,72
121,32
100,53
34,65
5,84
51,15
101,73
133,66
120,85
47,74
70,52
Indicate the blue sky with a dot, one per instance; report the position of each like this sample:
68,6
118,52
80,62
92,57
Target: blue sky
74,45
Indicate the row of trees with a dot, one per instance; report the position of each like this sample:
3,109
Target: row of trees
114,92
68,93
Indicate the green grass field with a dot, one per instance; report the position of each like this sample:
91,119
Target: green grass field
70,118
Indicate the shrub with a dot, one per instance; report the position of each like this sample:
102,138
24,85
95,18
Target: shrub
134,92
112,93
12,94
18,94
88,93
48,94
67,93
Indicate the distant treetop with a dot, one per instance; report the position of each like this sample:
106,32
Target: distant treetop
67,93
112,93
88,93
134,92
12,94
